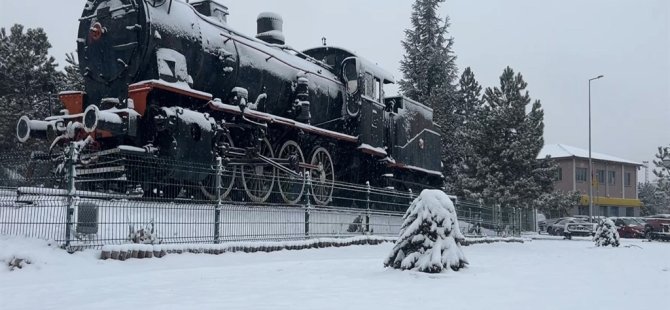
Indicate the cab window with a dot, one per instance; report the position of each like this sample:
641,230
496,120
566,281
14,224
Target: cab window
377,91
351,76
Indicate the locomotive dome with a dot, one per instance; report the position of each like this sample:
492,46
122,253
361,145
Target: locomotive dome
270,27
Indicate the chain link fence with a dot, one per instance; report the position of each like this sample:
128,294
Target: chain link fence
87,201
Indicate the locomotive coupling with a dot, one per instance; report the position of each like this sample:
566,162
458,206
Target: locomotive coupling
45,130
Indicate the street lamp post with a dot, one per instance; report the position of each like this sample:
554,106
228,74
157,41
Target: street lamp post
590,160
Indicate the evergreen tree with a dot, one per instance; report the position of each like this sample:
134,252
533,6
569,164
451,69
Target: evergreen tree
659,197
27,80
466,119
652,199
606,233
429,69
506,143
72,79
557,203
430,236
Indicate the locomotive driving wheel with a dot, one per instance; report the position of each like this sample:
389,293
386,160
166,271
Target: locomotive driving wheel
323,178
208,186
290,185
258,180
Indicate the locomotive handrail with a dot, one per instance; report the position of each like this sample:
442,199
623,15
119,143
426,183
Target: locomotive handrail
230,37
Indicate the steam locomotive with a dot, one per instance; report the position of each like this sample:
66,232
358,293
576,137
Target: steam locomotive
172,81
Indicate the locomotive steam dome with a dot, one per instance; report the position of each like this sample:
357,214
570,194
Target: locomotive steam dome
270,27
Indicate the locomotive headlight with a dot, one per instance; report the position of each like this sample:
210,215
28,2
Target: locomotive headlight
91,117
106,120
23,129
27,128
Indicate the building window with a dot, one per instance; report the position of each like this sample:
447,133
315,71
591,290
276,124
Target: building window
614,211
611,175
630,211
583,210
559,174
603,211
600,176
580,175
627,179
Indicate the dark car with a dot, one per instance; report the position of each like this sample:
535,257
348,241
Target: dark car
629,227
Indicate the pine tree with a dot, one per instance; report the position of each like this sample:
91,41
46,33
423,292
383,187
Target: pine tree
506,143
606,233
72,79
466,118
557,203
429,68
27,80
430,236
660,197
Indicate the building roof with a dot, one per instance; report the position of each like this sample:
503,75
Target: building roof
563,151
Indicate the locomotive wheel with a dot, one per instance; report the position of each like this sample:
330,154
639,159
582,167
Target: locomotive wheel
291,186
208,186
323,178
259,180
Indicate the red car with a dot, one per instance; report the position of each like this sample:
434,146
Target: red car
657,227
629,227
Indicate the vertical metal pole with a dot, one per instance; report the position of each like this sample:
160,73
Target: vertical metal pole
367,207
308,204
69,211
590,162
590,159
217,210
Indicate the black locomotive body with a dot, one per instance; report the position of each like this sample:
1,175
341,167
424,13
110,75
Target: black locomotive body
171,80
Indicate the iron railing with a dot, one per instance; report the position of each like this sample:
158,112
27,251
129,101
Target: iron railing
83,202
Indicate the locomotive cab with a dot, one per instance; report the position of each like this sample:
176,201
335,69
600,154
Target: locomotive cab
364,87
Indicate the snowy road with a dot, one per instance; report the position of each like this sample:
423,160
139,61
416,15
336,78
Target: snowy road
544,274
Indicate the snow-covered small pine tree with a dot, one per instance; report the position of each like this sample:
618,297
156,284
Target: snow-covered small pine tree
429,238
606,234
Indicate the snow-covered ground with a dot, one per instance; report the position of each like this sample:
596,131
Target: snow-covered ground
542,274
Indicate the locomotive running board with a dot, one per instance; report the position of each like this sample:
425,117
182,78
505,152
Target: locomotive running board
272,119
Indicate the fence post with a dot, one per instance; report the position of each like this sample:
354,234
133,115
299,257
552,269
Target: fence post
217,209
308,205
367,207
70,159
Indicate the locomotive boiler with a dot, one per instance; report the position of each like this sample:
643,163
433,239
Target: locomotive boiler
172,81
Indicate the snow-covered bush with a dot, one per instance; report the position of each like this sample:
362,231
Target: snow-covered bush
430,237
606,234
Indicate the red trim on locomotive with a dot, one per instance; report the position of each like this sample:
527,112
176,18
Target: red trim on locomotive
139,92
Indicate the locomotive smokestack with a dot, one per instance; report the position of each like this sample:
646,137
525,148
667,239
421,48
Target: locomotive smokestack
270,27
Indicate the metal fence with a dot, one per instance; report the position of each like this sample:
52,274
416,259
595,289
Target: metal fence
83,202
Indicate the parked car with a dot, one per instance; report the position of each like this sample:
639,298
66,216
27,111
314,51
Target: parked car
629,227
578,227
574,226
657,227
553,224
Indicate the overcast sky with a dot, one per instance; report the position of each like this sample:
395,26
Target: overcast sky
556,45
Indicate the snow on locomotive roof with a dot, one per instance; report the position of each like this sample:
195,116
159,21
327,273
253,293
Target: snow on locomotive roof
369,66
